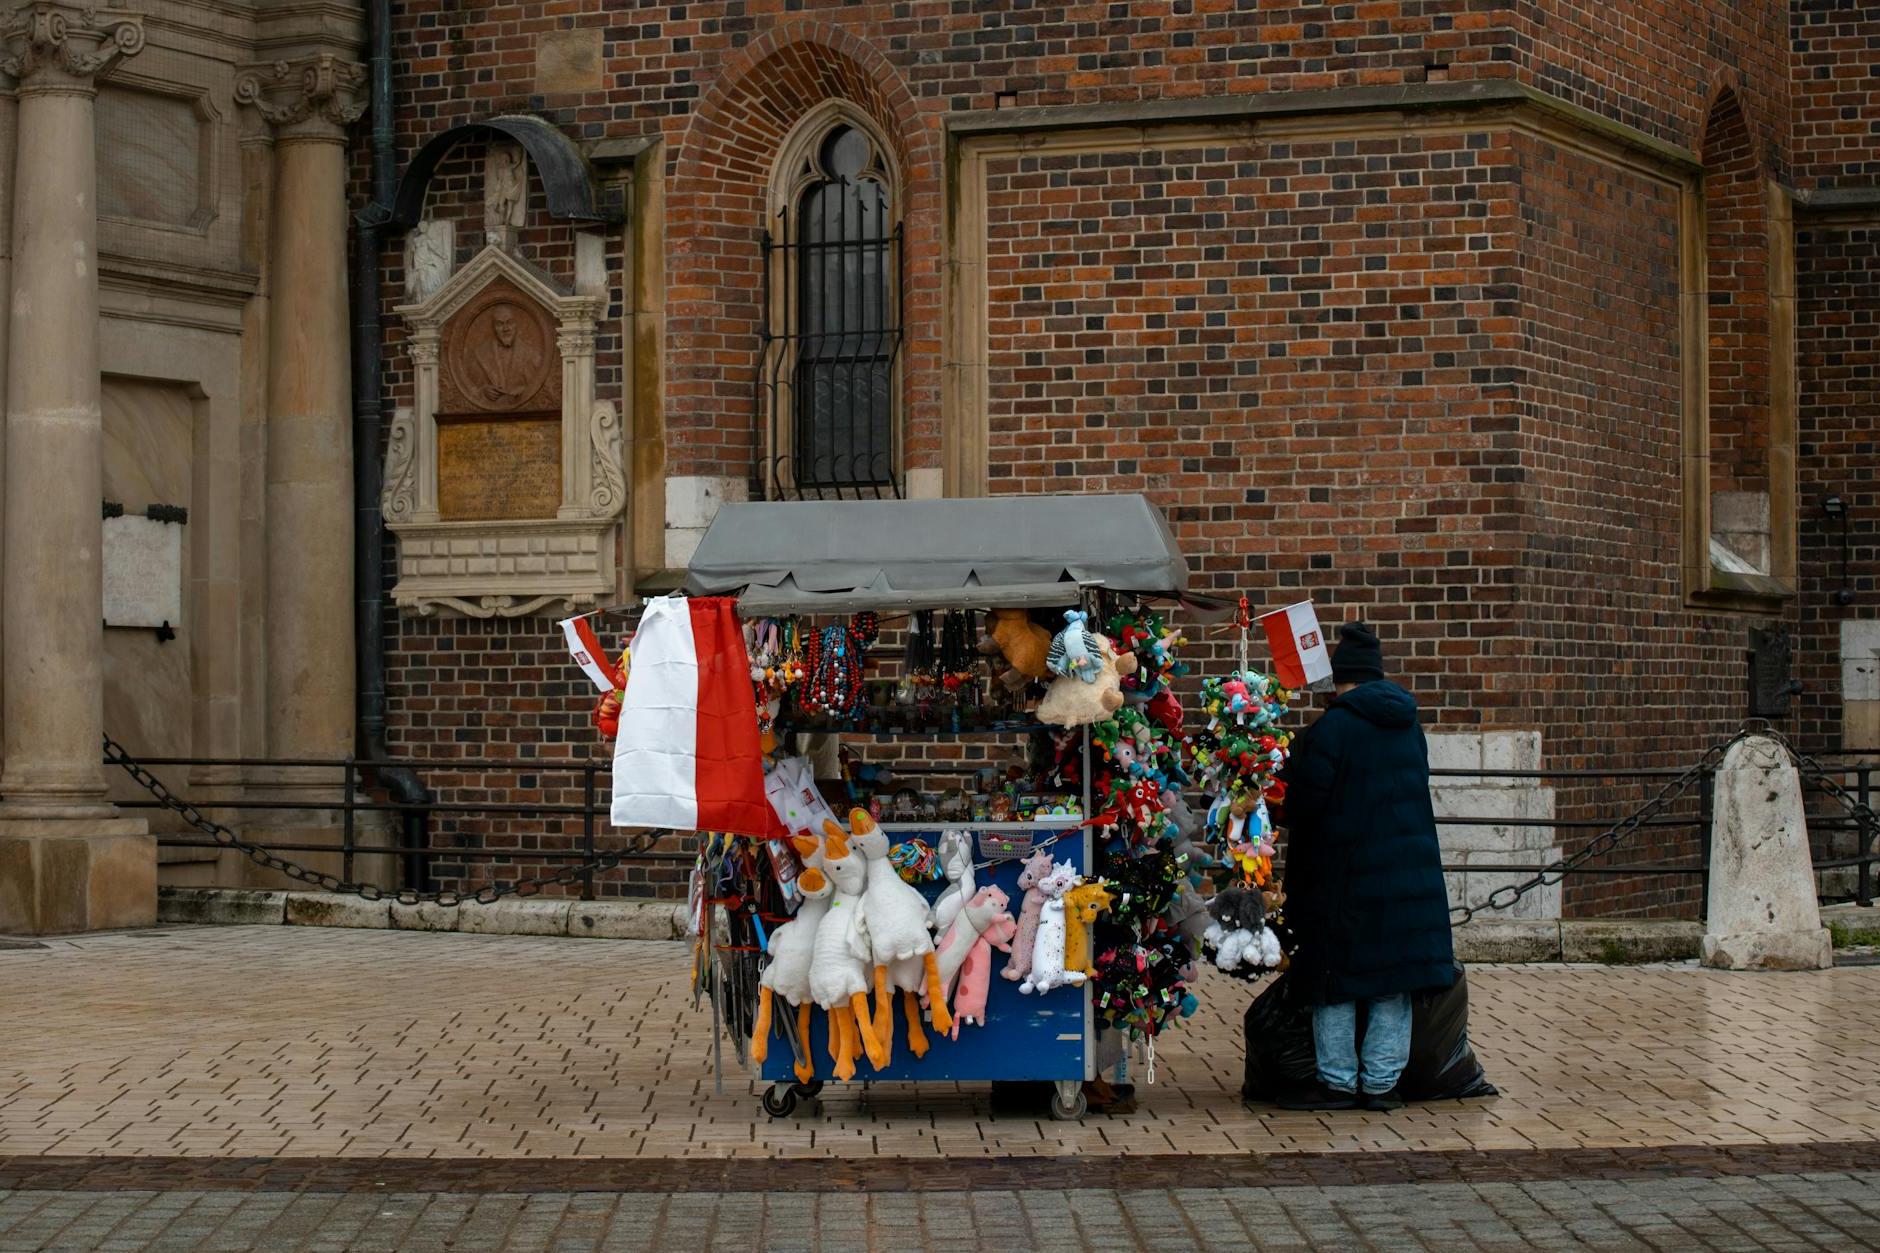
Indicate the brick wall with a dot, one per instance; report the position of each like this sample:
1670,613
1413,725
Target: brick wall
1838,369
1293,349
1736,253
1836,85
1431,379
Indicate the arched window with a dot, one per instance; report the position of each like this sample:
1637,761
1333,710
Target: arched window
832,331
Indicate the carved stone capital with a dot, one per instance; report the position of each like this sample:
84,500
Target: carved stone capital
315,97
54,47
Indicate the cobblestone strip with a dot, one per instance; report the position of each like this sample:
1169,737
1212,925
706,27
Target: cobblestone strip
892,1174
1826,1210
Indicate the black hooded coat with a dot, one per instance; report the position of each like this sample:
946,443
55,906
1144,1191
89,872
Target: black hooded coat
1364,876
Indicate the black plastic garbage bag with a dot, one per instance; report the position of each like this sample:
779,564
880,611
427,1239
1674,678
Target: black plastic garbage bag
1442,1066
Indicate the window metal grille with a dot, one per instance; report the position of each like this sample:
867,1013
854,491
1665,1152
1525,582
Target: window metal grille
832,332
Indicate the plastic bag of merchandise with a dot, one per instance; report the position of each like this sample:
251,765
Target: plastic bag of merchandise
1280,1056
1442,1066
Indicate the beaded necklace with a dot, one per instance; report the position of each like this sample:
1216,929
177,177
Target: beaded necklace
835,660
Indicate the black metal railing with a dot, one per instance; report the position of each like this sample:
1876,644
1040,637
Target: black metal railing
348,781
418,850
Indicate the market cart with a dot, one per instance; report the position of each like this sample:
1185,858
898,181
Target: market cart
815,560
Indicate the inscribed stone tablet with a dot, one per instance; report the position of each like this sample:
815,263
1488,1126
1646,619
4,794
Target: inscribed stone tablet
498,468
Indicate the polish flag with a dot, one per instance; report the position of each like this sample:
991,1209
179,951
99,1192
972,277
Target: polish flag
687,756
585,647
1299,656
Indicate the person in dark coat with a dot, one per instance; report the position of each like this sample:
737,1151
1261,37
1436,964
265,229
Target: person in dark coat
1364,878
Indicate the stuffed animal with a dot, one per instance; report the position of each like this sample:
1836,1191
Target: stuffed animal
838,976
791,947
1023,643
975,973
1047,952
1074,703
1074,650
1036,867
1240,936
896,940
956,861
1082,904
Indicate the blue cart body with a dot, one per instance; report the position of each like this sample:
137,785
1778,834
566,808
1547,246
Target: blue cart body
1035,1037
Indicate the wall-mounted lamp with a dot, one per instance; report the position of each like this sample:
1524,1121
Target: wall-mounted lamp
1835,507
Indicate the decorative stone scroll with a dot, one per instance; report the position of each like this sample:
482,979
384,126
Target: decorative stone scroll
504,482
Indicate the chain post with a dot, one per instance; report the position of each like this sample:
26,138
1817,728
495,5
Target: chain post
347,826
1866,829
1706,835
587,831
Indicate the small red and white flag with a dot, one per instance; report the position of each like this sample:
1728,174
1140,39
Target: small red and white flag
585,647
688,755
1299,655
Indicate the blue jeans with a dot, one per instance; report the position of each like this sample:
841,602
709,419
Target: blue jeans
1386,1043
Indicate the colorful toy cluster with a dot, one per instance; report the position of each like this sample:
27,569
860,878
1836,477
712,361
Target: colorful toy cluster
1238,756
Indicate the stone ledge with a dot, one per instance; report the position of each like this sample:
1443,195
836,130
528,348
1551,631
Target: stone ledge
1616,943
226,907
605,920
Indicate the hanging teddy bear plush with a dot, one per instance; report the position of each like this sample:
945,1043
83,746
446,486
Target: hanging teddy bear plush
1024,644
1071,702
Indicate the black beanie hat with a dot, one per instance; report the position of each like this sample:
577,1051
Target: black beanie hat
1359,658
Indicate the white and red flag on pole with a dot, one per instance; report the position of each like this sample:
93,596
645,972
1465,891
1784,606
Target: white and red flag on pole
688,755
585,647
1299,655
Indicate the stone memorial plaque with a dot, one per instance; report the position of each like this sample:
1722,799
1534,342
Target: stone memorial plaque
498,468
143,572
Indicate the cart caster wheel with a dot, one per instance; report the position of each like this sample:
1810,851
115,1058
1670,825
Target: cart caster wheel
1069,1109
809,1091
780,1101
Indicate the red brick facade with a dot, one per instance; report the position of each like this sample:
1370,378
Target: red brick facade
1427,367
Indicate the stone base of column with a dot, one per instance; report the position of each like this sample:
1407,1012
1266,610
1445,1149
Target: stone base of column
1770,950
59,876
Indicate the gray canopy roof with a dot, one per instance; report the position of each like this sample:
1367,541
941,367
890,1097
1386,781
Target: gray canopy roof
839,556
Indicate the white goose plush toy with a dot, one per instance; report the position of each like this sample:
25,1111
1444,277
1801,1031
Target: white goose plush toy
895,919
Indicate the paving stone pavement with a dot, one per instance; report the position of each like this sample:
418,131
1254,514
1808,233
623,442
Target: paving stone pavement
304,1042
1815,1211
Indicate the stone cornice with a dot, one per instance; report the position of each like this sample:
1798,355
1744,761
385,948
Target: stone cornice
314,97
1256,107
57,47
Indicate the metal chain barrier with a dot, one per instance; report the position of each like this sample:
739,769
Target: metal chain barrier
489,894
1504,897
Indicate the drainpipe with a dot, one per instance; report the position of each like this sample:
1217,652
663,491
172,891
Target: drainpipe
368,426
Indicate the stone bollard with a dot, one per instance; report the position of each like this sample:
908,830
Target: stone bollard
1763,914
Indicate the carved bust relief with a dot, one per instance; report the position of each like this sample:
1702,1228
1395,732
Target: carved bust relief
499,349
504,481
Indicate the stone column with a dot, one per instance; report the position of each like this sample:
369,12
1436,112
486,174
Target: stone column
68,860
305,105
309,509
